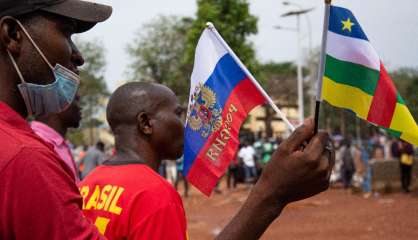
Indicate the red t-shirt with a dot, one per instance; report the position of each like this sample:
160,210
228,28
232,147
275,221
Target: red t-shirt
133,202
38,196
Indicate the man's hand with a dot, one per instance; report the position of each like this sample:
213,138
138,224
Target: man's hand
299,168
296,171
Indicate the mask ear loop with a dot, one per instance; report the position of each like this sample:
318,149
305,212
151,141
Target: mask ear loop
16,67
34,44
25,97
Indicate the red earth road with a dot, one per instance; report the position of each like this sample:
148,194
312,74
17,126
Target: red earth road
335,214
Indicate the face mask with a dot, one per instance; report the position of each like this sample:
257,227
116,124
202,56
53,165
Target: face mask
56,97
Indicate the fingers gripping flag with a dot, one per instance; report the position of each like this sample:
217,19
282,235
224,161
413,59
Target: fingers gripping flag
221,96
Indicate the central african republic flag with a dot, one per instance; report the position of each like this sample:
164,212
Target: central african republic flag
355,78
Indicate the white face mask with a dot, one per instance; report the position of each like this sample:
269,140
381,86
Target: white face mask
42,100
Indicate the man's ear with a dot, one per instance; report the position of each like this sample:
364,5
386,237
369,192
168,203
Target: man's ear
10,35
144,123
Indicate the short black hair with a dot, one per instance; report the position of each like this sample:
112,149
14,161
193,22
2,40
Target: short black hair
131,99
100,145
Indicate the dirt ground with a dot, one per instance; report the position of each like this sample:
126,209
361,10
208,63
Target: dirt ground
335,214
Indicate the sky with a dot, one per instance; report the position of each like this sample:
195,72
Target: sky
391,26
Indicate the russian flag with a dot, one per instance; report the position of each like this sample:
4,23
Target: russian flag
221,96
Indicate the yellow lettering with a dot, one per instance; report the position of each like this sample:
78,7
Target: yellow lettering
229,118
114,208
93,199
225,135
101,224
109,198
213,155
103,197
219,144
84,192
232,108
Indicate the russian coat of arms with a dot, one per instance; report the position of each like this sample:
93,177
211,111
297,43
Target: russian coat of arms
204,113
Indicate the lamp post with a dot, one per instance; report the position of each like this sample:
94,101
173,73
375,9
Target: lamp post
299,61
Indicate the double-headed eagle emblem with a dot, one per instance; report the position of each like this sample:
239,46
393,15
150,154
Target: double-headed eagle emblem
204,113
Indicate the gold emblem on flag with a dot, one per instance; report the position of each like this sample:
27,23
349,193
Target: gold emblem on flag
204,115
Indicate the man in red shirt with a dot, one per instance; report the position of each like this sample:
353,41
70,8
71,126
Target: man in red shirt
127,199
38,75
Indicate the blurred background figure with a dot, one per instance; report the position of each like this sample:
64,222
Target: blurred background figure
53,129
232,174
347,168
367,180
171,170
406,152
94,157
247,156
180,177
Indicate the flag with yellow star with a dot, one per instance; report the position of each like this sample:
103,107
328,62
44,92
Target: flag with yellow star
355,78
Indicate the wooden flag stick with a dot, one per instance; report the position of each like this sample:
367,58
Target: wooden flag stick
322,64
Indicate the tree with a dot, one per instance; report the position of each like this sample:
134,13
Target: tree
93,89
157,54
279,79
406,80
233,20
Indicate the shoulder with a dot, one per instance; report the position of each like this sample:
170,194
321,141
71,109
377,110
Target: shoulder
158,187
155,193
17,146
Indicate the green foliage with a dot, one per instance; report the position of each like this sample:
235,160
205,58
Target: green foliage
406,81
157,54
234,22
93,87
279,80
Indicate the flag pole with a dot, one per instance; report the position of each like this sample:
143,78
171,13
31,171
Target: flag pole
248,73
322,64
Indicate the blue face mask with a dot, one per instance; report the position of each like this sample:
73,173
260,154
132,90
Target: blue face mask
56,97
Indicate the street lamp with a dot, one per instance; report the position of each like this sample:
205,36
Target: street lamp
285,28
299,62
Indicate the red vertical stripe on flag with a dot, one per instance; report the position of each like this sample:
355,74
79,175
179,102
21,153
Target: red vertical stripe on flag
205,173
384,100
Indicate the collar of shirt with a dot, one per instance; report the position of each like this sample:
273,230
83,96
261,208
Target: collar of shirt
12,118
46,132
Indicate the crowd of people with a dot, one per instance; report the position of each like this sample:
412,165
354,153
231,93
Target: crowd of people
354,159
352,168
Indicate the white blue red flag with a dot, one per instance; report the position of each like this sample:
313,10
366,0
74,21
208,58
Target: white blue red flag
221,96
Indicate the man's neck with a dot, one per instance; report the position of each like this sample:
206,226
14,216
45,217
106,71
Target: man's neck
55,124
133,150
9,92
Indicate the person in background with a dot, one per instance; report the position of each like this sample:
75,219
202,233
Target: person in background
268,148
395,149
181,177
53,128
347,168
232,174
367,179
359,167
406,152
247,155
171,170
378,152
94,157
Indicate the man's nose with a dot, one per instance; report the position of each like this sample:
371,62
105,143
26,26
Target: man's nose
76,56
